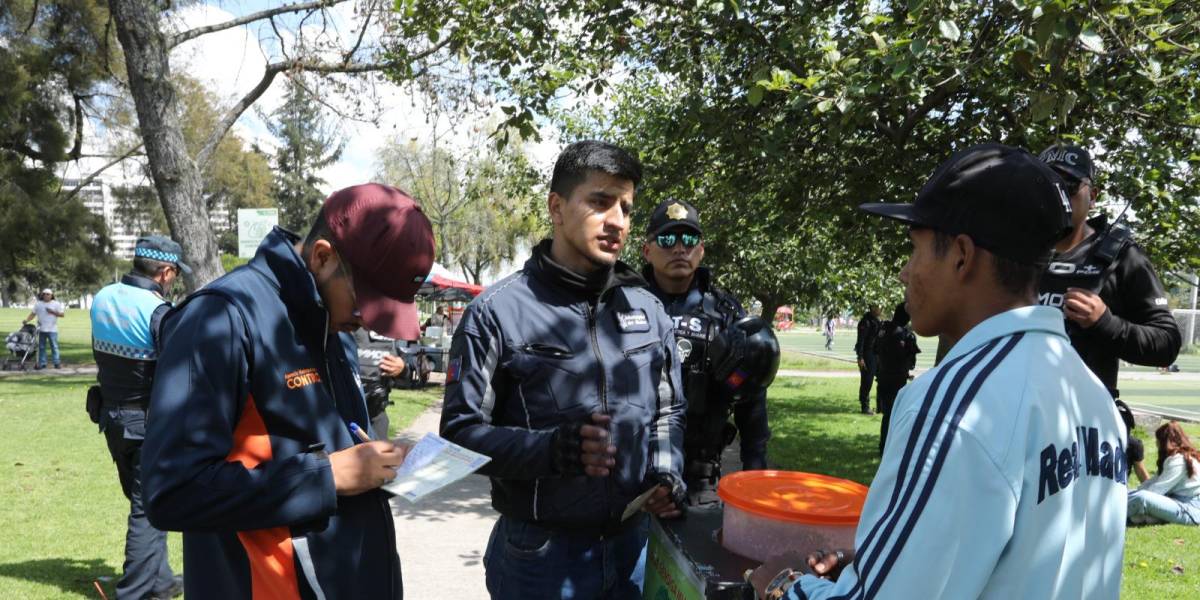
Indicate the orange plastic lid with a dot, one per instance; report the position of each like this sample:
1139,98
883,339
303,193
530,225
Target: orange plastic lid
794,496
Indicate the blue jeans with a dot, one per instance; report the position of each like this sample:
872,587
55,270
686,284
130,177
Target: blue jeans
44,337
1147,507
525,561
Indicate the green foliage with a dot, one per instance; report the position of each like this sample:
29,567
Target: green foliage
236,176
778,119
230,262
481,202
46,240
50,63
308,143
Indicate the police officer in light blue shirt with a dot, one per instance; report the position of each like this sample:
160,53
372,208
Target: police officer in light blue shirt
1004,472
125,322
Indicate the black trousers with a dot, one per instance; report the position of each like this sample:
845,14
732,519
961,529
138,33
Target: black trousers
145,572
866,378
885,394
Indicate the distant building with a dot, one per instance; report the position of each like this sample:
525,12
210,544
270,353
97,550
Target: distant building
98,197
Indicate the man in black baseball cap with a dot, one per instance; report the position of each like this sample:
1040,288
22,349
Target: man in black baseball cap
1112,300
995,198
986,452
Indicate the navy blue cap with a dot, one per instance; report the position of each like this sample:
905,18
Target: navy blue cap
161,248
1007,200
1072,162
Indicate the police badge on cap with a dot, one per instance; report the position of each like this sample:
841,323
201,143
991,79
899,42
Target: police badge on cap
674,214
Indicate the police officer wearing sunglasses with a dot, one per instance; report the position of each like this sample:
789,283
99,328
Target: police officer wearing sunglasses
703,314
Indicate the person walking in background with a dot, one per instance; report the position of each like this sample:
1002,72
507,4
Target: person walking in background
897,350
1172,496
864,348
126,317
47,311
828,332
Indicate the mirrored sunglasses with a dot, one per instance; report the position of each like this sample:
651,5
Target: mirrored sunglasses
667,241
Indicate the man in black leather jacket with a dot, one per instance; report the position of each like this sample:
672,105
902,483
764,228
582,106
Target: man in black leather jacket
565,374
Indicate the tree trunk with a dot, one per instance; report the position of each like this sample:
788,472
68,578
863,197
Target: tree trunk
769,307
175,175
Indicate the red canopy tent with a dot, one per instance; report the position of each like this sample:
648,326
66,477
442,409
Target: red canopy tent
445,289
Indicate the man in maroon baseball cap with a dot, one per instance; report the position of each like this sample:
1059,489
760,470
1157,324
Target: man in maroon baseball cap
386,244
256,437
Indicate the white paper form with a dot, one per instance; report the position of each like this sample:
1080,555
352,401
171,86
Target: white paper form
432,464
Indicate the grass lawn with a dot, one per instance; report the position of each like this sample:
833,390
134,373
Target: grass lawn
60,503
816,427
802,343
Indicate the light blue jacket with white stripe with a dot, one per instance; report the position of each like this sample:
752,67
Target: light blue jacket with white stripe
1004,477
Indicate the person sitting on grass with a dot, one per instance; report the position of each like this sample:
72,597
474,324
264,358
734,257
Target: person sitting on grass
1172,496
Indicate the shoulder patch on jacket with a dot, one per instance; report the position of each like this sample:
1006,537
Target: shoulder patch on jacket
633,321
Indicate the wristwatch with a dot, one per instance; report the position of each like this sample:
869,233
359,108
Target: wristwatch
779,586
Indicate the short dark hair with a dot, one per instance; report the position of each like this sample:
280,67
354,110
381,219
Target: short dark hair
1015,278
148,267
319,231
576,160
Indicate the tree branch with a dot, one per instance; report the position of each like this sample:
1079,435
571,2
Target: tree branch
32,17
78,147
190,34
274,69
235,112
27,151
362,32
97,172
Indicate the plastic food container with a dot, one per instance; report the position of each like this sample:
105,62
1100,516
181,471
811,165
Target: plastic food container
768,513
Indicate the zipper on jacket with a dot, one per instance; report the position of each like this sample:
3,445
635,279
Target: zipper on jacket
591,323
639,349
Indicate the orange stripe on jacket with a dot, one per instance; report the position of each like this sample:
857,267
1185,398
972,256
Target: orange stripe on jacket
272,563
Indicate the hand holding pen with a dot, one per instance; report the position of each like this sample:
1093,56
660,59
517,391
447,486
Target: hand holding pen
365,466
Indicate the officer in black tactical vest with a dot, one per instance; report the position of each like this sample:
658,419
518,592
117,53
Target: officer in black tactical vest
708,320
864,349
897,350
377,366
1112,299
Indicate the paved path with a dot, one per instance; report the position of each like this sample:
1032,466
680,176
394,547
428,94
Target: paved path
442,538
68,370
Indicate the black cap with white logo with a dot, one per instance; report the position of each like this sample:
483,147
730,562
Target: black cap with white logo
1004,198
1072,162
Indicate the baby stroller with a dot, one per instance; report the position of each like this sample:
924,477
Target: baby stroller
20,343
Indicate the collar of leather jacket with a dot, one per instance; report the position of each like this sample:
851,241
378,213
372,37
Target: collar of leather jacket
591,286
